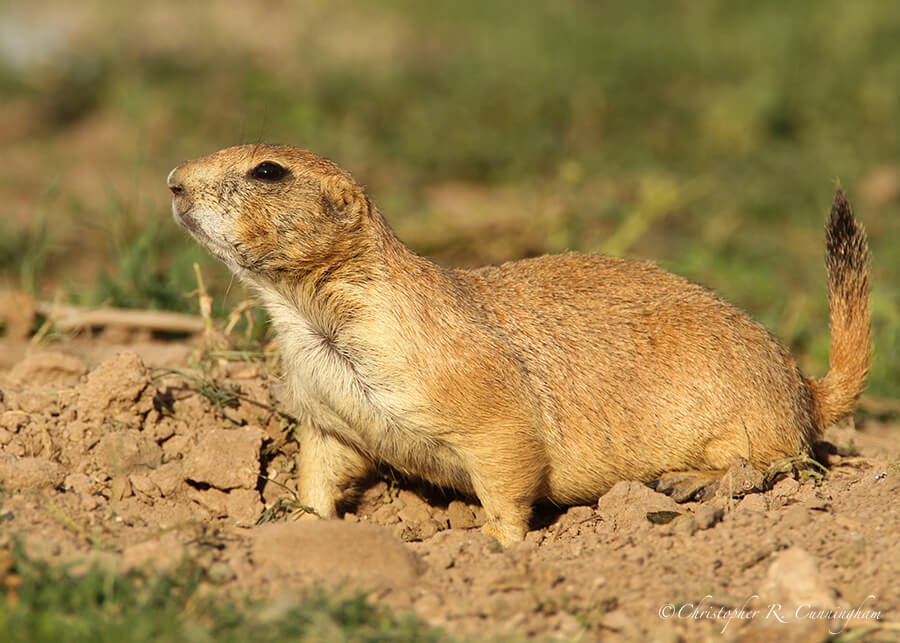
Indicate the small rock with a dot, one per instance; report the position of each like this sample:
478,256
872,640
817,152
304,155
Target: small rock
50,367
74,431
684,525
176,446
213,500
79,483
14,421
662,517
226,458
627,504
243,506
448,547
785,488
754,502
573,517
782,493
37,402
126,451
386,514
91,502
163,429
336,551
793,579
445,547
412,507
168,477
416,519
460,515
117,390
417,531
23,474
144,484
707,515
119,488
739,480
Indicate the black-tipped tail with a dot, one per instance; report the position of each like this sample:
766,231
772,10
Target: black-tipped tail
848,268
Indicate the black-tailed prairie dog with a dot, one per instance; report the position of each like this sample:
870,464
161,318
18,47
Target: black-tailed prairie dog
548,378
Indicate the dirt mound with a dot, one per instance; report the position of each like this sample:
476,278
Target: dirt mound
333,552
111,456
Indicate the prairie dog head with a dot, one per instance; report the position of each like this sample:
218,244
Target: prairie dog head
272,211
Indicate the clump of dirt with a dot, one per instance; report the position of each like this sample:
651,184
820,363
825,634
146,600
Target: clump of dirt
144,454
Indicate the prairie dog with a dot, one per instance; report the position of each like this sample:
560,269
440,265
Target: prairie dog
548,378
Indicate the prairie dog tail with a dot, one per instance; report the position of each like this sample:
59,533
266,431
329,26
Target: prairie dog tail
847,265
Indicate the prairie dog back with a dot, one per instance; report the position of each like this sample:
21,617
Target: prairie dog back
547,378
649,350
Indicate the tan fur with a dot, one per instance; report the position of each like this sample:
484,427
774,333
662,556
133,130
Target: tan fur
549,378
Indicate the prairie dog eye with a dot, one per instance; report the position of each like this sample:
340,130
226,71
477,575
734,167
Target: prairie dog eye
268,171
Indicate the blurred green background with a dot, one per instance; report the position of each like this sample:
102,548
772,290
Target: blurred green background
704,135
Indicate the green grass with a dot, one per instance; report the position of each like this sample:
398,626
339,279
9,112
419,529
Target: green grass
750,111
26,251
50,604
152,267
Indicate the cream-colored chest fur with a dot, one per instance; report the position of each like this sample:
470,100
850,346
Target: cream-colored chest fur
352,384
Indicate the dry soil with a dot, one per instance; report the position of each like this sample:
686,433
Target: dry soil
118,448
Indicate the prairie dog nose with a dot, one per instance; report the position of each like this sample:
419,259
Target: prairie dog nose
174,182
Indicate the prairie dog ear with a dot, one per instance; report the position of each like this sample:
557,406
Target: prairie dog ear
344,196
